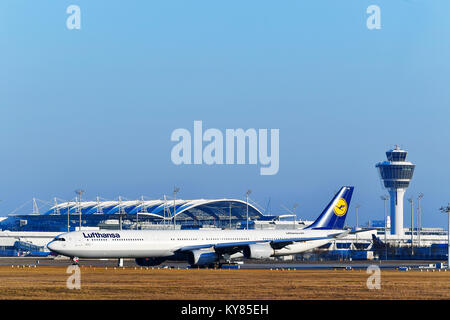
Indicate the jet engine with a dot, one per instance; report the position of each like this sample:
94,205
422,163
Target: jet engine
258,251
149,262
202,257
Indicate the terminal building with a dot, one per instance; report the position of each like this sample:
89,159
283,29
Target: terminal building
140,214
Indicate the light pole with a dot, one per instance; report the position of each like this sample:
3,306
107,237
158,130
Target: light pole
143,209
165,205
295,214
385,198
357,208
247,194
411,201
447,211
120,213
230,215
79,192
419,209
68,215
175,191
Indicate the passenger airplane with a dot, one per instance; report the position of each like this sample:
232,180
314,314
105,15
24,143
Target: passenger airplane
206,247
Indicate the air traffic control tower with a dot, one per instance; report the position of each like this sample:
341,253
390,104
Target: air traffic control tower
396,173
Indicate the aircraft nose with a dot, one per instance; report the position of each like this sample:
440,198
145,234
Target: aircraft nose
51,246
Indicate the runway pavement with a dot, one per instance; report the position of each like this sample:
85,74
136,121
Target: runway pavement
248,264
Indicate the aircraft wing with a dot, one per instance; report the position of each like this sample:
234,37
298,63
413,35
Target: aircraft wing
354,231
233,247
229,247
281,243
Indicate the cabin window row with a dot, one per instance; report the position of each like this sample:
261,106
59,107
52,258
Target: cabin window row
209,239
115,239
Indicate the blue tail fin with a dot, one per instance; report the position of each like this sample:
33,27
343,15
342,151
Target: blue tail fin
334,214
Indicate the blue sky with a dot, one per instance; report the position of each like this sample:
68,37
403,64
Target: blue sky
94,108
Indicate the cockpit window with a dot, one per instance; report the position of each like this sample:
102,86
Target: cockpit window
60,239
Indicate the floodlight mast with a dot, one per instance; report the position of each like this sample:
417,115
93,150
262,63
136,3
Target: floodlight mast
68,217
247,194
295,215
79,192
385,198
230,214
419,222
357,208
120,213
411,201
142,207
175,191
35,207
68,222
447,211
165,206
99,207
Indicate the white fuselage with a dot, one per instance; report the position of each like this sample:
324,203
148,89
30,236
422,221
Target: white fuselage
164,243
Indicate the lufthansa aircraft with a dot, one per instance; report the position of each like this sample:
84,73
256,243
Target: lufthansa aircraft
206,247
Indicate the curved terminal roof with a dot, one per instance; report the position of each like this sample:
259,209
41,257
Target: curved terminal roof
200,209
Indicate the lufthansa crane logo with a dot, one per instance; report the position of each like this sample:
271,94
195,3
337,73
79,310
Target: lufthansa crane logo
340,208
